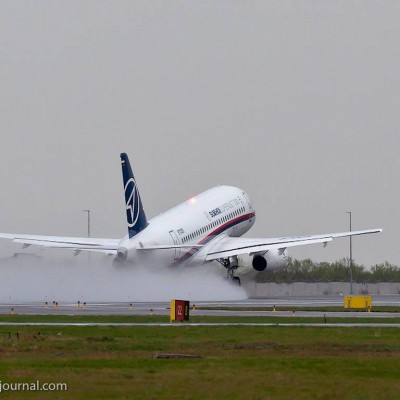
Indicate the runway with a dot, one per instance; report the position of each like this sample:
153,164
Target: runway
212,308
191,324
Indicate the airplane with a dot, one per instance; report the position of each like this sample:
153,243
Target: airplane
206,228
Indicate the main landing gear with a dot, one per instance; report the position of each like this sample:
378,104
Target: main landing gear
231,265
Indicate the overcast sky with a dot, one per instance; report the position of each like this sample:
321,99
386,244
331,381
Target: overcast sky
296,102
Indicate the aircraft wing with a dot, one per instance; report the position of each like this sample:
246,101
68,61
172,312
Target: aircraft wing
108,246
169,247
232,246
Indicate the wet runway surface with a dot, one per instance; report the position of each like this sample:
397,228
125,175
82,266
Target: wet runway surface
164,324
211,308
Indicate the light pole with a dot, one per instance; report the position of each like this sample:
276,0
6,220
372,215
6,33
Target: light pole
88,227
351,258
88,222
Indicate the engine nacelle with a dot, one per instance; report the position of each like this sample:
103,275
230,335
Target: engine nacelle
271,260
259,263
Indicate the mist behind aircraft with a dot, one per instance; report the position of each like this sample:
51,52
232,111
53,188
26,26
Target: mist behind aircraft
40,279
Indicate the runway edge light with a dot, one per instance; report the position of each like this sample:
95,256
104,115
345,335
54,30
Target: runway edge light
179,310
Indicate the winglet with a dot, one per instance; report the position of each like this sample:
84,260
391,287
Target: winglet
135,215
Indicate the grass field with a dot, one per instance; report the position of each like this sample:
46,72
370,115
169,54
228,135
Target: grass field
237,362
363,318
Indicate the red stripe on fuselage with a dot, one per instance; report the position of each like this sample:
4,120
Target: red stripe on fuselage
211,235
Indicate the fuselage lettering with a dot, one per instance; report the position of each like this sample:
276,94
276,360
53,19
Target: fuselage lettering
223,208
215,212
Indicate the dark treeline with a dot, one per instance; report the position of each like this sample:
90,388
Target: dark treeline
310,271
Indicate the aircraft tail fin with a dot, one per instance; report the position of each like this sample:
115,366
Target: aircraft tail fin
135,215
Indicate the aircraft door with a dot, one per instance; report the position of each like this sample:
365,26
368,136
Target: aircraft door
176,243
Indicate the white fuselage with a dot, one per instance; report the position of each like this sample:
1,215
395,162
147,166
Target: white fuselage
222,210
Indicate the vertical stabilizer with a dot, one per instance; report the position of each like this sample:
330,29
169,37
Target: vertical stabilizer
135,216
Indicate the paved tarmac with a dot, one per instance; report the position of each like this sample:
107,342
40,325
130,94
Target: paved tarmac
186,324
162,308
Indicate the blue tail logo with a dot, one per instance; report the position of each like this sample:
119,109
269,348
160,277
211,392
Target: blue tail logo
135,215
132,201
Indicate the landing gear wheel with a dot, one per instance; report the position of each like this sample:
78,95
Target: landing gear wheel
236,280
231,264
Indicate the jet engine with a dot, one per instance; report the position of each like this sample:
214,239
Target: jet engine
271,260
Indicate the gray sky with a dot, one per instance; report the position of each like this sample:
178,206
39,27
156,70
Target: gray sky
296,102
